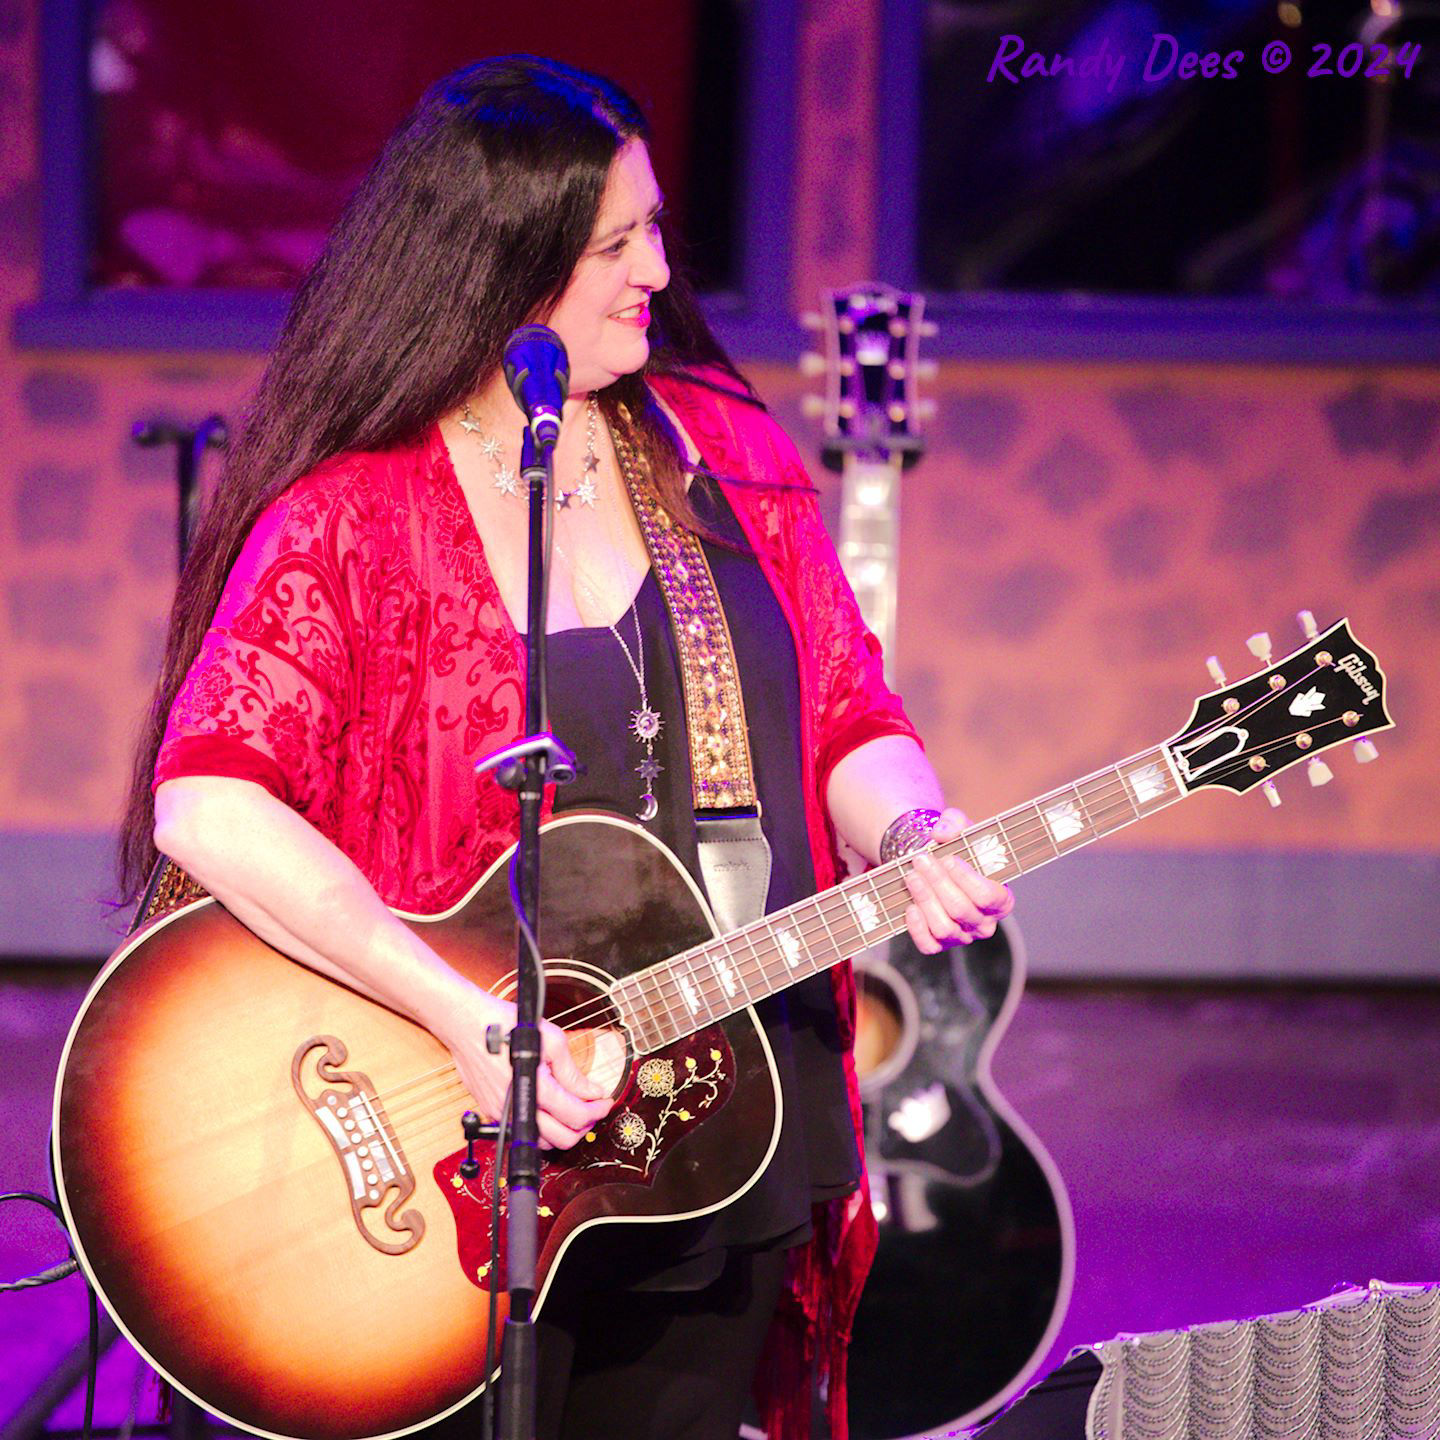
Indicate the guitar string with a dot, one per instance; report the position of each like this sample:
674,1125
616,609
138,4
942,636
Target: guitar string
889,886
424,1116
709,987
420,1124
1023,835
767,953
887,889
1094,806
768,960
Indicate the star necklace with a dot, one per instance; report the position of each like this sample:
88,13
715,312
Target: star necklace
646,722
507,482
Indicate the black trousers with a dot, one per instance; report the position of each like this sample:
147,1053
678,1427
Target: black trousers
647,1364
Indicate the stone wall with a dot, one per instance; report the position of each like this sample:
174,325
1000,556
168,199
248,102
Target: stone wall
1077,541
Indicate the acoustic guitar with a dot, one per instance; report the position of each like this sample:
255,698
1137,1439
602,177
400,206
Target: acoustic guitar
976,1242
260,1169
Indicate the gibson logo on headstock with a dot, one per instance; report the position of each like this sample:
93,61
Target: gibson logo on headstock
1354,667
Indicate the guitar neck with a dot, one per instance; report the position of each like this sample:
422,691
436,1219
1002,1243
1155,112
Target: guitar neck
869,540
666,1002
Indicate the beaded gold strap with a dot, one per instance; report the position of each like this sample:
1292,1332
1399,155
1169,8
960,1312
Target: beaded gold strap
720,767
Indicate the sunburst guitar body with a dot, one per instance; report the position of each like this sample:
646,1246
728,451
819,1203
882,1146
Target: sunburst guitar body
261,1168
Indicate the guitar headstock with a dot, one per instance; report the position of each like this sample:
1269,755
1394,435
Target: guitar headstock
1328,692
871,363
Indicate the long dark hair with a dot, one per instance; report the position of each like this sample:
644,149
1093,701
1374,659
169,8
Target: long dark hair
469,224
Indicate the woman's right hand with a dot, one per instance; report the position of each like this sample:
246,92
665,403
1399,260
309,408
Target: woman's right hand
297,891
568,1102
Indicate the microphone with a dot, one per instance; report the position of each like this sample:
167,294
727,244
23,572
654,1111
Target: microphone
537,371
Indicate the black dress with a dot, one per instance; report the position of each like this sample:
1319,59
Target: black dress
593,693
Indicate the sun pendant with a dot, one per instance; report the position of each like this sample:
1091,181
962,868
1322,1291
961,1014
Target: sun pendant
645,724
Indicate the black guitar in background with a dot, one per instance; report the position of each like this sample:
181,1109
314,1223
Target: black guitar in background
976,1254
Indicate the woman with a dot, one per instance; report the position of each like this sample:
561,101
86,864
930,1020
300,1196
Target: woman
345,645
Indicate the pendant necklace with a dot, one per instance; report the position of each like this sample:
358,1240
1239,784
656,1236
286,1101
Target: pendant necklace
507,482
646,722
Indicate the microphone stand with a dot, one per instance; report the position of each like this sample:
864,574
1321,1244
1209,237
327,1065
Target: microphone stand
190,444
526,767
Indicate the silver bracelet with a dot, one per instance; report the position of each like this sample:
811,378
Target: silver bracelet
907,832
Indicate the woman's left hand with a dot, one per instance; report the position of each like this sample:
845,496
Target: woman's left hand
951,903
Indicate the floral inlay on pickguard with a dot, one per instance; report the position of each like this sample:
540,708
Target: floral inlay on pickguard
669,1095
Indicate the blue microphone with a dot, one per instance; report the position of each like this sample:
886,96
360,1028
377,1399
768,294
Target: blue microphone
537,371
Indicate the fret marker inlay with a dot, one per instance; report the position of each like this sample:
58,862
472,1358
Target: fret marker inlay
687,991
1147,783
990,853
1064,820
727,976
789,947
867,913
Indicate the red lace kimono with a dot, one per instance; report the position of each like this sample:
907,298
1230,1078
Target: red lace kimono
361,660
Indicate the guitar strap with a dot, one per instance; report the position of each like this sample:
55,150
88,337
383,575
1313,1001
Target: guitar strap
734,855
169,888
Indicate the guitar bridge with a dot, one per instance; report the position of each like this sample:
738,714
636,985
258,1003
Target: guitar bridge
349,1113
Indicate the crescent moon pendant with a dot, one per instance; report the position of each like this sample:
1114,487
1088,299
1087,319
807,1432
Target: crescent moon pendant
649,808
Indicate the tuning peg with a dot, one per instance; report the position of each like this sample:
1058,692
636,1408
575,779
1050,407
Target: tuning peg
926,409
812,364
928,328
1365,751
926,369
1319,772
1212,664
813,320
1271,794
1308,626
812,407
1259,646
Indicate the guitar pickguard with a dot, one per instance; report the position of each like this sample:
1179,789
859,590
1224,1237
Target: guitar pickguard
669,1095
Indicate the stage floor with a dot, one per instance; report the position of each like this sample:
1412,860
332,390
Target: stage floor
1227,1152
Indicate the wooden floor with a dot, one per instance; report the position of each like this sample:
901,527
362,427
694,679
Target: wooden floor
1228,1152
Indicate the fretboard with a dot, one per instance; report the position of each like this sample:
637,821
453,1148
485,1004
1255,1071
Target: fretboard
678,996
870,540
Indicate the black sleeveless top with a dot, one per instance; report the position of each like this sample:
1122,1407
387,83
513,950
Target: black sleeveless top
593,693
